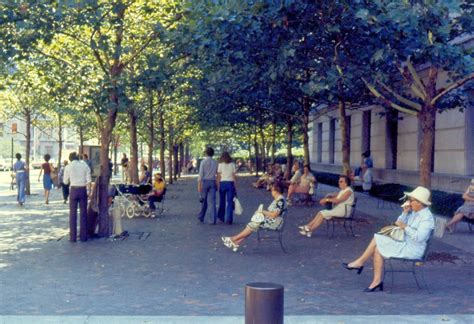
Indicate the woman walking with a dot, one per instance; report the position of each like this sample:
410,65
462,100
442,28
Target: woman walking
226,185
46,169
64,187
20,170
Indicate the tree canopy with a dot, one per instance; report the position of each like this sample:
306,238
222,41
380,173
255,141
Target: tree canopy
171,72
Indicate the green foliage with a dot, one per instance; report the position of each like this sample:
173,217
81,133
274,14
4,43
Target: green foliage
226,69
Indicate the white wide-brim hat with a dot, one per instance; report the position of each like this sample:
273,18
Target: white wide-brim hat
421,194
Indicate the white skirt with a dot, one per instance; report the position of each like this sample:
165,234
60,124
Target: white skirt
338,211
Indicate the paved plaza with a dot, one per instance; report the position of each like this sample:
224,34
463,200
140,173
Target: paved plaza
173,268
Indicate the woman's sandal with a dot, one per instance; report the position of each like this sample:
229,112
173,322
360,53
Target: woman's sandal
305,231
449,229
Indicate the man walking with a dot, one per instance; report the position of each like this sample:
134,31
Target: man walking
78,176
207,184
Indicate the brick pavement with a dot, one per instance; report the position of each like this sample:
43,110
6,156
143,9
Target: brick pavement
182,268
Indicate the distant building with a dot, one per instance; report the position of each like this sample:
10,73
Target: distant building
394,144
42,140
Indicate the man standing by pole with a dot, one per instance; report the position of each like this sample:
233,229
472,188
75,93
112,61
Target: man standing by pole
207,184
78,176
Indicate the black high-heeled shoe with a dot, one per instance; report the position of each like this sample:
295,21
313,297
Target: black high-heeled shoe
379,286
359,269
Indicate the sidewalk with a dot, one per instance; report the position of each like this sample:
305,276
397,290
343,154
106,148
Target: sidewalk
176,266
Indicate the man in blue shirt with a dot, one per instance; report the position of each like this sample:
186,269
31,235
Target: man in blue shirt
207,184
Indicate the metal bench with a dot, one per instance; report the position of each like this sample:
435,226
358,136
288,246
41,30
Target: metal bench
405,265
348,219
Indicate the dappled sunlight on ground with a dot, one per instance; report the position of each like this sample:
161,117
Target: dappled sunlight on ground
24,228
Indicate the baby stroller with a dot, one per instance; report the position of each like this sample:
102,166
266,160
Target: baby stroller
132,200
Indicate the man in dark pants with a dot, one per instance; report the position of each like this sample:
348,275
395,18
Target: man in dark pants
207,184
78,175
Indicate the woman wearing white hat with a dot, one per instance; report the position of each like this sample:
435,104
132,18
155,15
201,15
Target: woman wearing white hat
417,222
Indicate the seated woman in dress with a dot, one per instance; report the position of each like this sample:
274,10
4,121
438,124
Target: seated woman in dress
145,175
302,185
339,200
295,175
466,210
262,181
273,218
417,222
277,176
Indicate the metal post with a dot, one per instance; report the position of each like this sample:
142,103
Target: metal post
264,303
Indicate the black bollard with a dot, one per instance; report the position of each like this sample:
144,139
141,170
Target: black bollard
263,303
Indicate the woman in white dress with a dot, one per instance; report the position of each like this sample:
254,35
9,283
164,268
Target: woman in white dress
339,200
416,221
302,184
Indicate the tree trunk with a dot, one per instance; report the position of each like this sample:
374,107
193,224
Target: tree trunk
28,148
250,150
175,161
186,154
108,127
170,153
162,144
151,135
150,156
289,153
257,158
115,145
306,109
133,168
104,177
273,141
426,119
345,137
181,158
81,139
261,129
60,140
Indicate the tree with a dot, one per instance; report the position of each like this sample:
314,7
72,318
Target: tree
423,41
25,99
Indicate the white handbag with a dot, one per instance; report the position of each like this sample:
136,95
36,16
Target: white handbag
393,231
238,210
311,189
258,215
